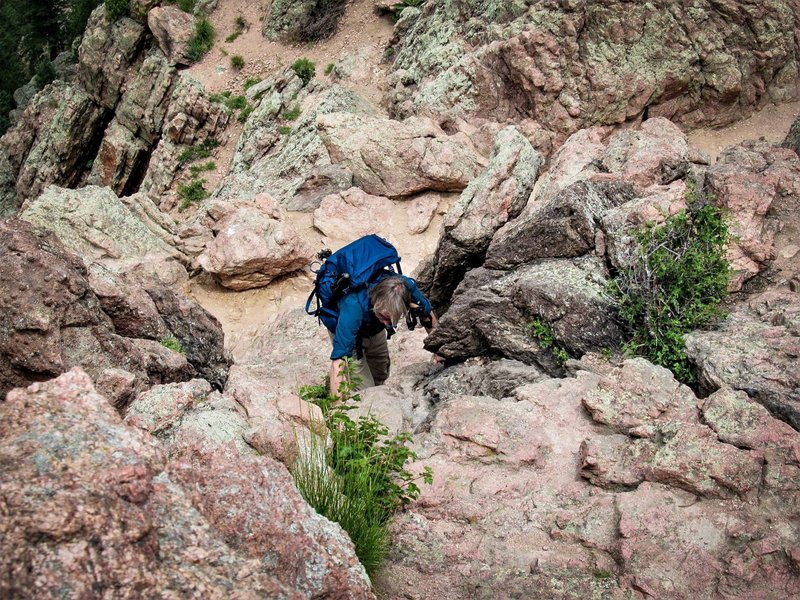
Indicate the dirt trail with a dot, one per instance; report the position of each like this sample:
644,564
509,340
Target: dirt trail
364,34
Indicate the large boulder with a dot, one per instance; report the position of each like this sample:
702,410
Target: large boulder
759,185
53,141
94,504
496,196
352,213
394,158
755,349
54,321
532,497
97,225
572,64
253,244
492,312
172,28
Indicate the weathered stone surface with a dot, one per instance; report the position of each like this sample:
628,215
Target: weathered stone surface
281,165
421,210
498,306
106,56
121,159
494,378
760,185
253,245
172,29
322,182
574,64
393,158
499,523
498,195
352,214
53,140
738,420
755,349
75,477
563,227
9,202
617,401
286,18
97,225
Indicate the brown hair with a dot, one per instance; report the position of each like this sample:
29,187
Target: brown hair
391,297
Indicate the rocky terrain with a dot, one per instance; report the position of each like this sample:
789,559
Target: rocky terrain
152,344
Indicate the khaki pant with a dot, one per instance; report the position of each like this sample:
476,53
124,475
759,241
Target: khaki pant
373,366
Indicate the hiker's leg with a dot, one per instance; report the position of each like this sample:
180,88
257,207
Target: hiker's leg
376,351
361,369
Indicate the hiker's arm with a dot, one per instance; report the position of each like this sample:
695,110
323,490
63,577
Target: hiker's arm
431,324
335,376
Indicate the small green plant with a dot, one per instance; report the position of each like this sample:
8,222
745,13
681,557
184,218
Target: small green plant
244,113
284,130
173,344
195,170
202,150
304,69
675,283
186,5
45,73
250,82
195,191
116,9
239,26
329,68
202,41
359,479
388,53
237,61
399,7
292,113
543,333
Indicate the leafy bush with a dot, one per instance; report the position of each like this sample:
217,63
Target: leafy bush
401,6
185,5
292,113
250,82
193,192
202,150
543,333
675,283
284,130
203,39
244,113
173,344
116,9
304,69
195,170
359,479
329,68
45,73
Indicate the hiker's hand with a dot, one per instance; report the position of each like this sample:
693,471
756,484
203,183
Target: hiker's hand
437,360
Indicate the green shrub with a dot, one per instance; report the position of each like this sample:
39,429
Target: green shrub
116,9
329,68
404,4
543,333
239,25
186,5
244,113
250,82
284,130
292,113
173,344
359,479
675,283
236,102
203,39
193,192
195,170
45,73
304,69
202,150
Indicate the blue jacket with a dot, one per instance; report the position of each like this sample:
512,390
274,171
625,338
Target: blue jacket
357,319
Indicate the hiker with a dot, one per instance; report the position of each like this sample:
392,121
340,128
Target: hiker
363,335
362,295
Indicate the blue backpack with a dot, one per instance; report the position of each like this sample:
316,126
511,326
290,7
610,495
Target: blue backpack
349,270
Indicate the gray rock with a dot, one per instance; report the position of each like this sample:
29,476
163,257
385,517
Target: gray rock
496,196
172,29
